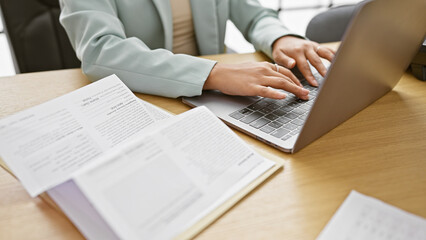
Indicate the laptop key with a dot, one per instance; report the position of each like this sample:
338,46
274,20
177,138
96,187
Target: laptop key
273,106
291,115
298,122
269,100
245,111
236,115
305,107
267,129
275,125
283,120
280,112
290,98
298,111
294,104
260,123
266,110
290,126
271,116
280,133
258,105
303,116
250,118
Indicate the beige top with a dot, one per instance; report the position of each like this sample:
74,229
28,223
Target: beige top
183,28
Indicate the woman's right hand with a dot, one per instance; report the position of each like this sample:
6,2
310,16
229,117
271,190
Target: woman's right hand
254,79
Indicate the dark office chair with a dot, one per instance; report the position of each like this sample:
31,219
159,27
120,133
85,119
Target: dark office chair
38,42
329,26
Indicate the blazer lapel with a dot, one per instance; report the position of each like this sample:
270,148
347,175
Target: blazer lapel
165,12
206,25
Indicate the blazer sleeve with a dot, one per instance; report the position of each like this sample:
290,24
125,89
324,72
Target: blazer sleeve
99,39
259,25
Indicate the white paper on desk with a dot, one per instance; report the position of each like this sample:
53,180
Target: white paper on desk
361,217
81,212
77,207
45,144
159,185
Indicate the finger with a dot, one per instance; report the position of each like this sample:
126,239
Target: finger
268,92
326,53
284,72
304,68
284,60
287,85
316,61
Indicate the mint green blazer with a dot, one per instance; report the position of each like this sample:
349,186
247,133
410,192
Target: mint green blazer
133,39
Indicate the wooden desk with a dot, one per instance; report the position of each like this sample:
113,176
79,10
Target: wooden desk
380,152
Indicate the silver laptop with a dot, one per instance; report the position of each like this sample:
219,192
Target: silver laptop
378,46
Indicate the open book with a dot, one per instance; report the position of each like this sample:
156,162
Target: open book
121,168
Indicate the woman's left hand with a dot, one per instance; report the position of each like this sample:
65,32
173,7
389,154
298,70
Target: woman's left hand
290,51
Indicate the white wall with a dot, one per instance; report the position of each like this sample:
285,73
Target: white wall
6,63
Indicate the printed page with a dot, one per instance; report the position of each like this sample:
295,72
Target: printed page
45,144
159,185
76,206
361,217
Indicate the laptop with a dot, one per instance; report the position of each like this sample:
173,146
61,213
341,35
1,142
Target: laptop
377,48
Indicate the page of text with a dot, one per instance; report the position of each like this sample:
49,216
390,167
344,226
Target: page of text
159,185
45,144
362,217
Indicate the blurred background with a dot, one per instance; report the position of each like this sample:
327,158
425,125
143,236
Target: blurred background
295,14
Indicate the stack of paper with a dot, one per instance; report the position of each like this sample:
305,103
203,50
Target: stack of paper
122,169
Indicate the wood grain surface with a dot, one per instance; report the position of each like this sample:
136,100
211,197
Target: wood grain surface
380,152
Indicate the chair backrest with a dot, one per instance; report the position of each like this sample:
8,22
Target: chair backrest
38,41
329,26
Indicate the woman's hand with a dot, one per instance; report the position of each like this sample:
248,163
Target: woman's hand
290,51
254,79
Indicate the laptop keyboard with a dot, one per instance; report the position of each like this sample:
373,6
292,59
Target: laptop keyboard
279,118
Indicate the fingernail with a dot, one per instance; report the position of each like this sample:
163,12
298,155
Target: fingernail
305,90
304,97
281,95
314,82
291,62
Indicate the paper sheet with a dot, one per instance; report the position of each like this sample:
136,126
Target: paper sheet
46,144
361,217
76,206
160,185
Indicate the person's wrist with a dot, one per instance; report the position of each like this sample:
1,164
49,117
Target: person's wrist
282,41
290,37
279,54
210,83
